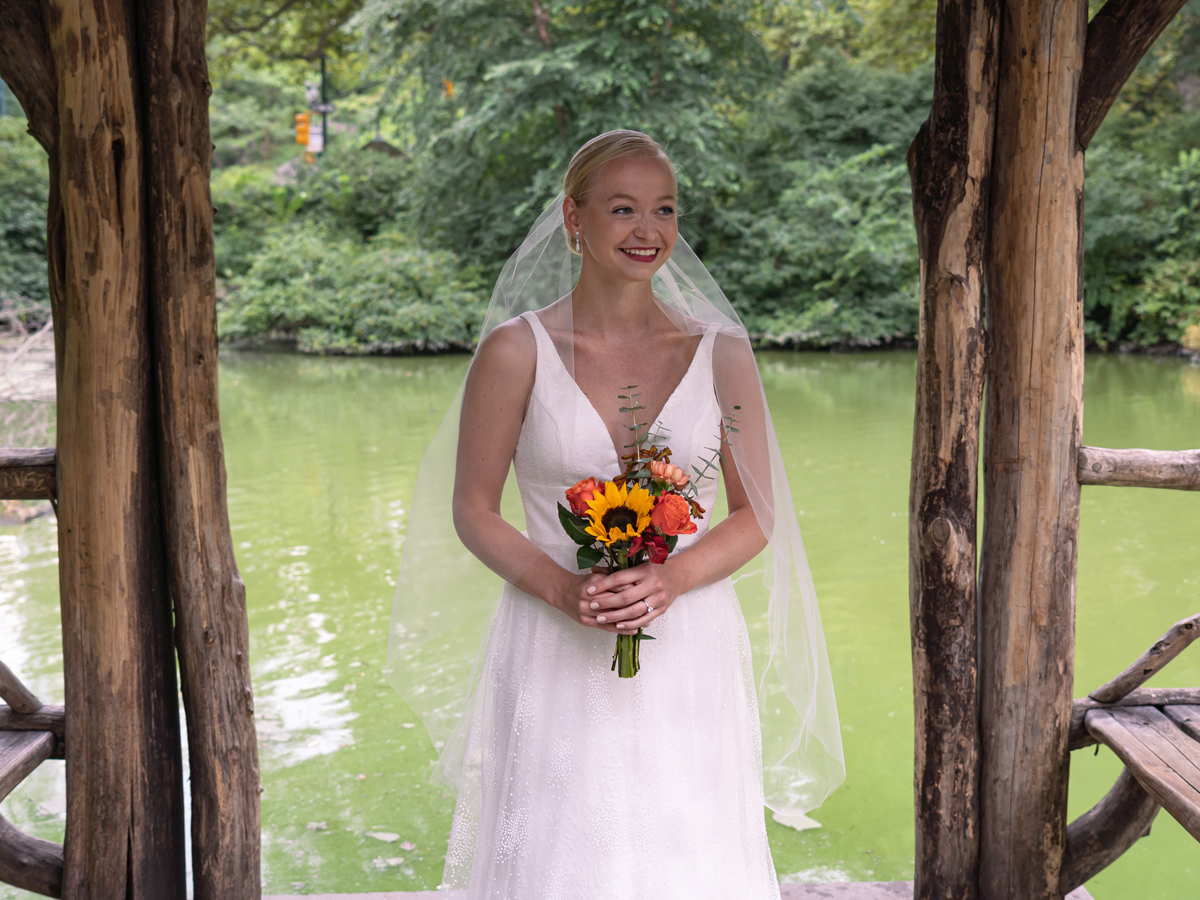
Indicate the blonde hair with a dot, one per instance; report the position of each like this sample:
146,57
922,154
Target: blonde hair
599,152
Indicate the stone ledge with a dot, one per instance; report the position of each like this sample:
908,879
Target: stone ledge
841,890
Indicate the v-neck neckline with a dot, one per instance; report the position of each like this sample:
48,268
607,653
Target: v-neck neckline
588,400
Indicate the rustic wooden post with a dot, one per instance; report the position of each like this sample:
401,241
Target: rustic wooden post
211,630
117,92
949,166
124,782
1033,428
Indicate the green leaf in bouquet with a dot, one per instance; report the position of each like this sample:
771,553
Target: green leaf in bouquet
672,540
574,526
587,557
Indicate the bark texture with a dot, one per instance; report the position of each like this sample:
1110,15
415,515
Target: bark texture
117,93
949,166
1033,426
1177,469
1117,38
211,631
124,782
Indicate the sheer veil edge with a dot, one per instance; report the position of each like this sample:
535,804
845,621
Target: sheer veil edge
445,598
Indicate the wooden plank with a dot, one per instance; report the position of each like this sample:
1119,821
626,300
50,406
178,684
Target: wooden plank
1187,718
27,474
1032,432
949,165
1161,652
1080,737
1176,469
1098,838
20,753
47,718
30,863
212,634
19,697
1164,759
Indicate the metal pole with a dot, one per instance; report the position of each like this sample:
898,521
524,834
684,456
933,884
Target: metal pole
324,121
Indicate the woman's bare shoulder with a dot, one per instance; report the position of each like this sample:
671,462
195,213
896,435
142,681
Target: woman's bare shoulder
510,349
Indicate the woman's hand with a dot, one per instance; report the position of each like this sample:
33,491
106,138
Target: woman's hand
628,599
566,593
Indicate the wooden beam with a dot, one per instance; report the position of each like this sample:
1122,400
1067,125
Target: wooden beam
949,166
1080,737
1033,426
1117,38
27,474
124,766
46,718
30,863
212,633
20,753
1178,469
27,66
14,692
1098,838
1165,760
1178,637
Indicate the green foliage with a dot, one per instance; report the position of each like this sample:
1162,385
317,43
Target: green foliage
528,90
24,183
1141,243
338,295
834,262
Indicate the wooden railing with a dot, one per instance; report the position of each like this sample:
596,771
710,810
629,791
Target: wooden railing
1177,469
30,731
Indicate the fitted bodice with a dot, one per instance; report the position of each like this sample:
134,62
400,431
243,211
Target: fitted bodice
563,440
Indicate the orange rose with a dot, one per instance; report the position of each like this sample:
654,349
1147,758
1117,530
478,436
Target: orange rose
669,472
672,515
579,495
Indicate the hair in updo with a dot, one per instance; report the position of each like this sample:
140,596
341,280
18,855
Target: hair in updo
597,153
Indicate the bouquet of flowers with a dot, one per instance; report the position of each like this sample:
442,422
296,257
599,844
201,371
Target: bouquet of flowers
637,516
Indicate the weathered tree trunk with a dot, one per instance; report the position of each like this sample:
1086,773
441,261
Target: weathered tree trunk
949,167
211,634
124,783
117,94
1033,429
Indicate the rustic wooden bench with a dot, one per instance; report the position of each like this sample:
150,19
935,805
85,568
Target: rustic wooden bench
30,733
1155,732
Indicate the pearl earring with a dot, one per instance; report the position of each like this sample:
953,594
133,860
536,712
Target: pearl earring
578,245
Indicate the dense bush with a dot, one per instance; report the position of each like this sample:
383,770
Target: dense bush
832,262
24,182
788,124
1142,242
336,294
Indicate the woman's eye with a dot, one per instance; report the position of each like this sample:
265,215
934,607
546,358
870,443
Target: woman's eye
667,210
623,209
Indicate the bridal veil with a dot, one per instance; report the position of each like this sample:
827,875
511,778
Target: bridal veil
445,598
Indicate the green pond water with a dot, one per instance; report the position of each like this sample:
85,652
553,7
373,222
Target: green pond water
322,454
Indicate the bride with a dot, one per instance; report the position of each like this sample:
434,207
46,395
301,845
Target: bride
572,782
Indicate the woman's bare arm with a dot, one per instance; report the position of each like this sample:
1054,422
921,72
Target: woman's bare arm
495,396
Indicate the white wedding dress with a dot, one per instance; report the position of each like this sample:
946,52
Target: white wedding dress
577,784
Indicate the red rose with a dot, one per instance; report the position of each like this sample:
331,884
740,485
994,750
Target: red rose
655,547
672,515
579,495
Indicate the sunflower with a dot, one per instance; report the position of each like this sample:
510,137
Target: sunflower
619,513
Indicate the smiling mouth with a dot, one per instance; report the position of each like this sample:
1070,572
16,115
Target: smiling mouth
641,254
